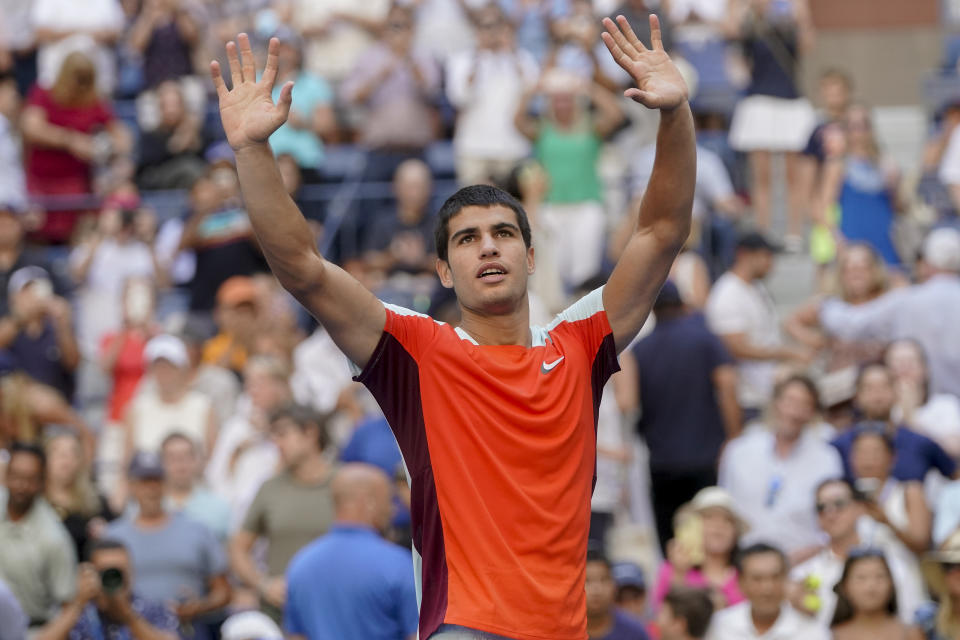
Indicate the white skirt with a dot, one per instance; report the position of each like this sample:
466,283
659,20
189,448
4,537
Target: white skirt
765,123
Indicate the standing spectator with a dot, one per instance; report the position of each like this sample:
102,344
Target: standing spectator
13,621
836,95
742,313
171,153
106,605
766,615
772,473
290,509
867,601
688,393
685,615
631,589
68,130
336,33
174,558
182,466
36,558
774,117
604,620
486,86
13,185
396,88
926,312
165,34
351,584
237,316
14,255
18,52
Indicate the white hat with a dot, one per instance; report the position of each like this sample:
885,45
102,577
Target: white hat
718,498
169,348
941,249
250,625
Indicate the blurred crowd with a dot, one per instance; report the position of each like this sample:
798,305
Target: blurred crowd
185,454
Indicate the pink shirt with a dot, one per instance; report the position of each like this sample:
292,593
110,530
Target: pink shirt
695,578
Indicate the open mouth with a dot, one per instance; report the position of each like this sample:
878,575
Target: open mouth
491,272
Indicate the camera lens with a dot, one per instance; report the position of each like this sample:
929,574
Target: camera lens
111,580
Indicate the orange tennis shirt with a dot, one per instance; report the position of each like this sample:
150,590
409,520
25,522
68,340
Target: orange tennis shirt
500,446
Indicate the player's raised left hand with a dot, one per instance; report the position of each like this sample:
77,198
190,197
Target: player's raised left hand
659,83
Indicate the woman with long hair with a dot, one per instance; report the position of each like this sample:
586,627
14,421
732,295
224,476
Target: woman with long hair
941,568
867,601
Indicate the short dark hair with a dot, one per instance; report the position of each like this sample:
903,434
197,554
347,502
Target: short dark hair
478,195
30,449
803,380
757,549
867,367
304,417
693,606
878,429
596,555
104,544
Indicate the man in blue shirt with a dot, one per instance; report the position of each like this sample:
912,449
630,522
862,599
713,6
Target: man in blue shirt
605,621
916,454
351,584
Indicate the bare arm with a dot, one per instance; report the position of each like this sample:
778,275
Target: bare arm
725,387
352,315
609,114
665,211
742,349
803,325
240,561
522,120
218,596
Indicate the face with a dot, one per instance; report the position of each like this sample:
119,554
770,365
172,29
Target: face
171,103
239,320
412,186
148,492
834,94
875,395
601,589
763,582
906,363
24,481
111,559
857,273
205,197
289,173
795,409
399,30
288,58
294,443
11,231
837,513
633,601
266,392
63,459
719,531
563,106
180,462
868,585
870,457
489,26
859,128
486,240
671,627
169,377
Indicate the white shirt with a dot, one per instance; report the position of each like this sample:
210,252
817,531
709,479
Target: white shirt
938,419
737,306
949,173
333,54
485,127
320,372
713,180
735,623
776,495
13,186
153,420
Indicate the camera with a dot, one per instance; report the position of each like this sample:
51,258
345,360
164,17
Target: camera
127,218
111,580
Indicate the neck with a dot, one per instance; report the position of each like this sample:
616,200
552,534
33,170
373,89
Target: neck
842,544
599,624
311,469
15,514
153,520
785,443
716,562
179,493
871,618
170,395
742,271
763,623
512,328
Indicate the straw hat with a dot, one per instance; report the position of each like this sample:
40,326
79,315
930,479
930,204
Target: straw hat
932,565
717,498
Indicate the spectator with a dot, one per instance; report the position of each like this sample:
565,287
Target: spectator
373,443
604,620
742,313
71,493
238,319
312,118
836,95
219,384
336,33
19,49
37,560
13,621
631,589
766,613
774,117
772,474
486,86
366,591
840,512
171,154
685,615
916,454
935,415
14,255
29,406
942,571
68,130
174,558
39,341
703,552
396,88
165,34
13,186
688,393
925,312
182,466
106,605
179,264
867,600
290,509
577,48
567,141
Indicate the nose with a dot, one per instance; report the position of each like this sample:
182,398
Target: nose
488,246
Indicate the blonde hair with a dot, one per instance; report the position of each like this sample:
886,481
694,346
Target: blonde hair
15,412
879,278
947,624
76,83
83,498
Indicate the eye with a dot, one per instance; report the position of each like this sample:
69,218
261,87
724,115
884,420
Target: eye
465,238
505,233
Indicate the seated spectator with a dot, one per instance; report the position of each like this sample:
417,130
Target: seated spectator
182,467
742,313
37,559
351,583
935,415
916,454
290,509
772,473
174,559
171,154
237,316
840,512
14,255
67,131
71,493
604,620
486,86
942,571
703,552
766,614
13,621
39,340
631,589
867,600
165,33
395,88
106,605
179,264
13,185
685,615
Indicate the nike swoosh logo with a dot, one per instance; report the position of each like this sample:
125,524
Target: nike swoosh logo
547,367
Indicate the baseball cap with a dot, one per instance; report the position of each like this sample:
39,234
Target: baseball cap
250,625
146,465
941,249
629,574
754,240
237,290
24,276
169,348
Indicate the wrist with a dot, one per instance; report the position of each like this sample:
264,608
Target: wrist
678,109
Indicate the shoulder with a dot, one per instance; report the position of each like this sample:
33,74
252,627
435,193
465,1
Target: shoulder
752,439
307,559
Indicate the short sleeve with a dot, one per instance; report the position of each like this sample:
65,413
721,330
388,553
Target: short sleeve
414,331
587,319
718,353
724,312
255,519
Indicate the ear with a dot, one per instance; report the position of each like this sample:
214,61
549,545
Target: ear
443,271
531,263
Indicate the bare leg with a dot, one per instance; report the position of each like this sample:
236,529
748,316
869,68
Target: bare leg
760,187
801,172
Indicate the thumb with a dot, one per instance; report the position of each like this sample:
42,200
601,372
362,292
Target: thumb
285,99
645,98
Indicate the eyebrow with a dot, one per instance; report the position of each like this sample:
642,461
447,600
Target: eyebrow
496,227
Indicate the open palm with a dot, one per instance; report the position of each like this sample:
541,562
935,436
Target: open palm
247,111
659,83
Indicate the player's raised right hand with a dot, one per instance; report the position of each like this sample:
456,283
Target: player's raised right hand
247,110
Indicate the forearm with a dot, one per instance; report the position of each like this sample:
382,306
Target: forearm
730,411
217,598
67,343
241,563
39,132
9,329
59,628
668,201
140,33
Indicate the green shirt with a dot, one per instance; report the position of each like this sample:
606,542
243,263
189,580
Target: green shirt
570,159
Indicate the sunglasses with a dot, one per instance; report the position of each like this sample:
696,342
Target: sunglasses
950,566
833,505
865,552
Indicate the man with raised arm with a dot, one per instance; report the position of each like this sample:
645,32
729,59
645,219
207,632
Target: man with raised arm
495,418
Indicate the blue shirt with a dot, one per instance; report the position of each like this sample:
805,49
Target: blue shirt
91,626
916,455
626,627
13,621
304,145
351,584
374,443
